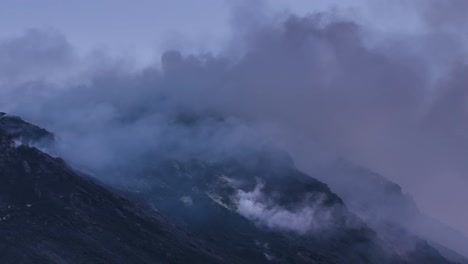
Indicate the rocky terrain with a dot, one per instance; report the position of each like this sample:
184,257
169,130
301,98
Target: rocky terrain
50,214
255,209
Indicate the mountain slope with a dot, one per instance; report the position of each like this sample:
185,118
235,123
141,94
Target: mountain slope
389,206
256,208
49,214
22,131
202,198
262,205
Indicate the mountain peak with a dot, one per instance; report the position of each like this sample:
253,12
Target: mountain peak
23,131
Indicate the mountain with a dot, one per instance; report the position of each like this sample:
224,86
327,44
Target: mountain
255,208
23,132
50,214
389,206
223,203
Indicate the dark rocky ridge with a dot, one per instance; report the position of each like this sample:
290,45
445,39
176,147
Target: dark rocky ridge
23,131
50,214
212,211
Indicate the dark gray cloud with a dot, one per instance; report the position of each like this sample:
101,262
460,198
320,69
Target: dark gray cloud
316,86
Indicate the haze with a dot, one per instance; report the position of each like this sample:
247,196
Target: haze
384,87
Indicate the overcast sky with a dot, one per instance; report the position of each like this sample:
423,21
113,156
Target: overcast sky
141,28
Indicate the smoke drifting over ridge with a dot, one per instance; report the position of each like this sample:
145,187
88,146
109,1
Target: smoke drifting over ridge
307,218
320,85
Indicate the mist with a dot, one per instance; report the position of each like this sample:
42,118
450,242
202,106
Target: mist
319,86
307,218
